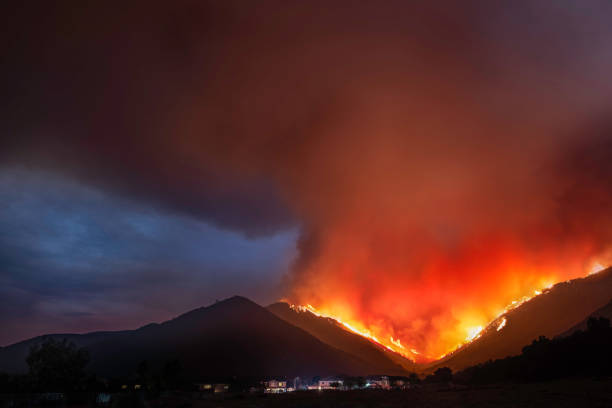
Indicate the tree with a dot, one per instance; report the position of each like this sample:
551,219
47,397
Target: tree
143,370
442,374
413,378
354,382
171,373
581,354
598,325
57,365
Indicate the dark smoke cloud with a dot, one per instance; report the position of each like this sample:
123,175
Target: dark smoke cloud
586,202
75,259
392,133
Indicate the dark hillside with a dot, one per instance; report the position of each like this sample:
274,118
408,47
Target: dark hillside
550,314
235,337
330,332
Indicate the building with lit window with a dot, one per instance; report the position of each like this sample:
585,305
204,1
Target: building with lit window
275,387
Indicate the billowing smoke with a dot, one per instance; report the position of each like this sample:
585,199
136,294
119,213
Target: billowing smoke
441,160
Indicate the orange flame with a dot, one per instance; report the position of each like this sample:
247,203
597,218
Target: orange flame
357,328
471,324
502,324
596,268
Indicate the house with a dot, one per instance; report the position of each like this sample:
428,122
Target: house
379,382
331,383
401,384
103,398
299,384
52,396
275,387
213,388
220,388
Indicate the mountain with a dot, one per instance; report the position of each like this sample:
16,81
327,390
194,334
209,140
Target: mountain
330,332
234,337
550,314
237,337
582,354
605,311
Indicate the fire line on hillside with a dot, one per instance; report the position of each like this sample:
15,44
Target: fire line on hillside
498,323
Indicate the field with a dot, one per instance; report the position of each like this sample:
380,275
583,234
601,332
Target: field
559,394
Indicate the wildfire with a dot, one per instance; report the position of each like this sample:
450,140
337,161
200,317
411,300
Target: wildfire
394,343
502,324
396,346
397,342
597,267
473,333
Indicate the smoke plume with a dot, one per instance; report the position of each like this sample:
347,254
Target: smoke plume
440,159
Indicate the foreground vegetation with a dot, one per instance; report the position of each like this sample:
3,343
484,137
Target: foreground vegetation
558,394
564,372
582,354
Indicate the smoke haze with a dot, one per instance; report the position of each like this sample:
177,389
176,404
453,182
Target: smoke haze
441,160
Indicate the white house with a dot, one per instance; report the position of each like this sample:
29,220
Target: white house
381,382
275,387
331,383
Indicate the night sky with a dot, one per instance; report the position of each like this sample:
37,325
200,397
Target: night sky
77,258
410,166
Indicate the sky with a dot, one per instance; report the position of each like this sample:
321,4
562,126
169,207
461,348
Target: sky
409,167
75,258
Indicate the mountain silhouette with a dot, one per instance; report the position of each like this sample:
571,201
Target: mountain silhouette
550,314
238,338
331,332
234,337
605,311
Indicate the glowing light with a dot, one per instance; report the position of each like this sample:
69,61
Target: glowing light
473,333
597,267
394,345
397,342
502,324
474,329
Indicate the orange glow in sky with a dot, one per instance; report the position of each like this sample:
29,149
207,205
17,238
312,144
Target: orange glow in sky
426,315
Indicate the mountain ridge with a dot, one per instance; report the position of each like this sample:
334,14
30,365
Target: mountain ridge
331,332
549,314
234,337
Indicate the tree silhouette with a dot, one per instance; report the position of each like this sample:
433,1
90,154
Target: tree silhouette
171,373
441,375
582,354
143,370
598,325
57,365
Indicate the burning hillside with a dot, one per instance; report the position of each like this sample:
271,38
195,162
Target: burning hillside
551,313
467,326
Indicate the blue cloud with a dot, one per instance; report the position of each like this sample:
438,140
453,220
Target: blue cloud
89,260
